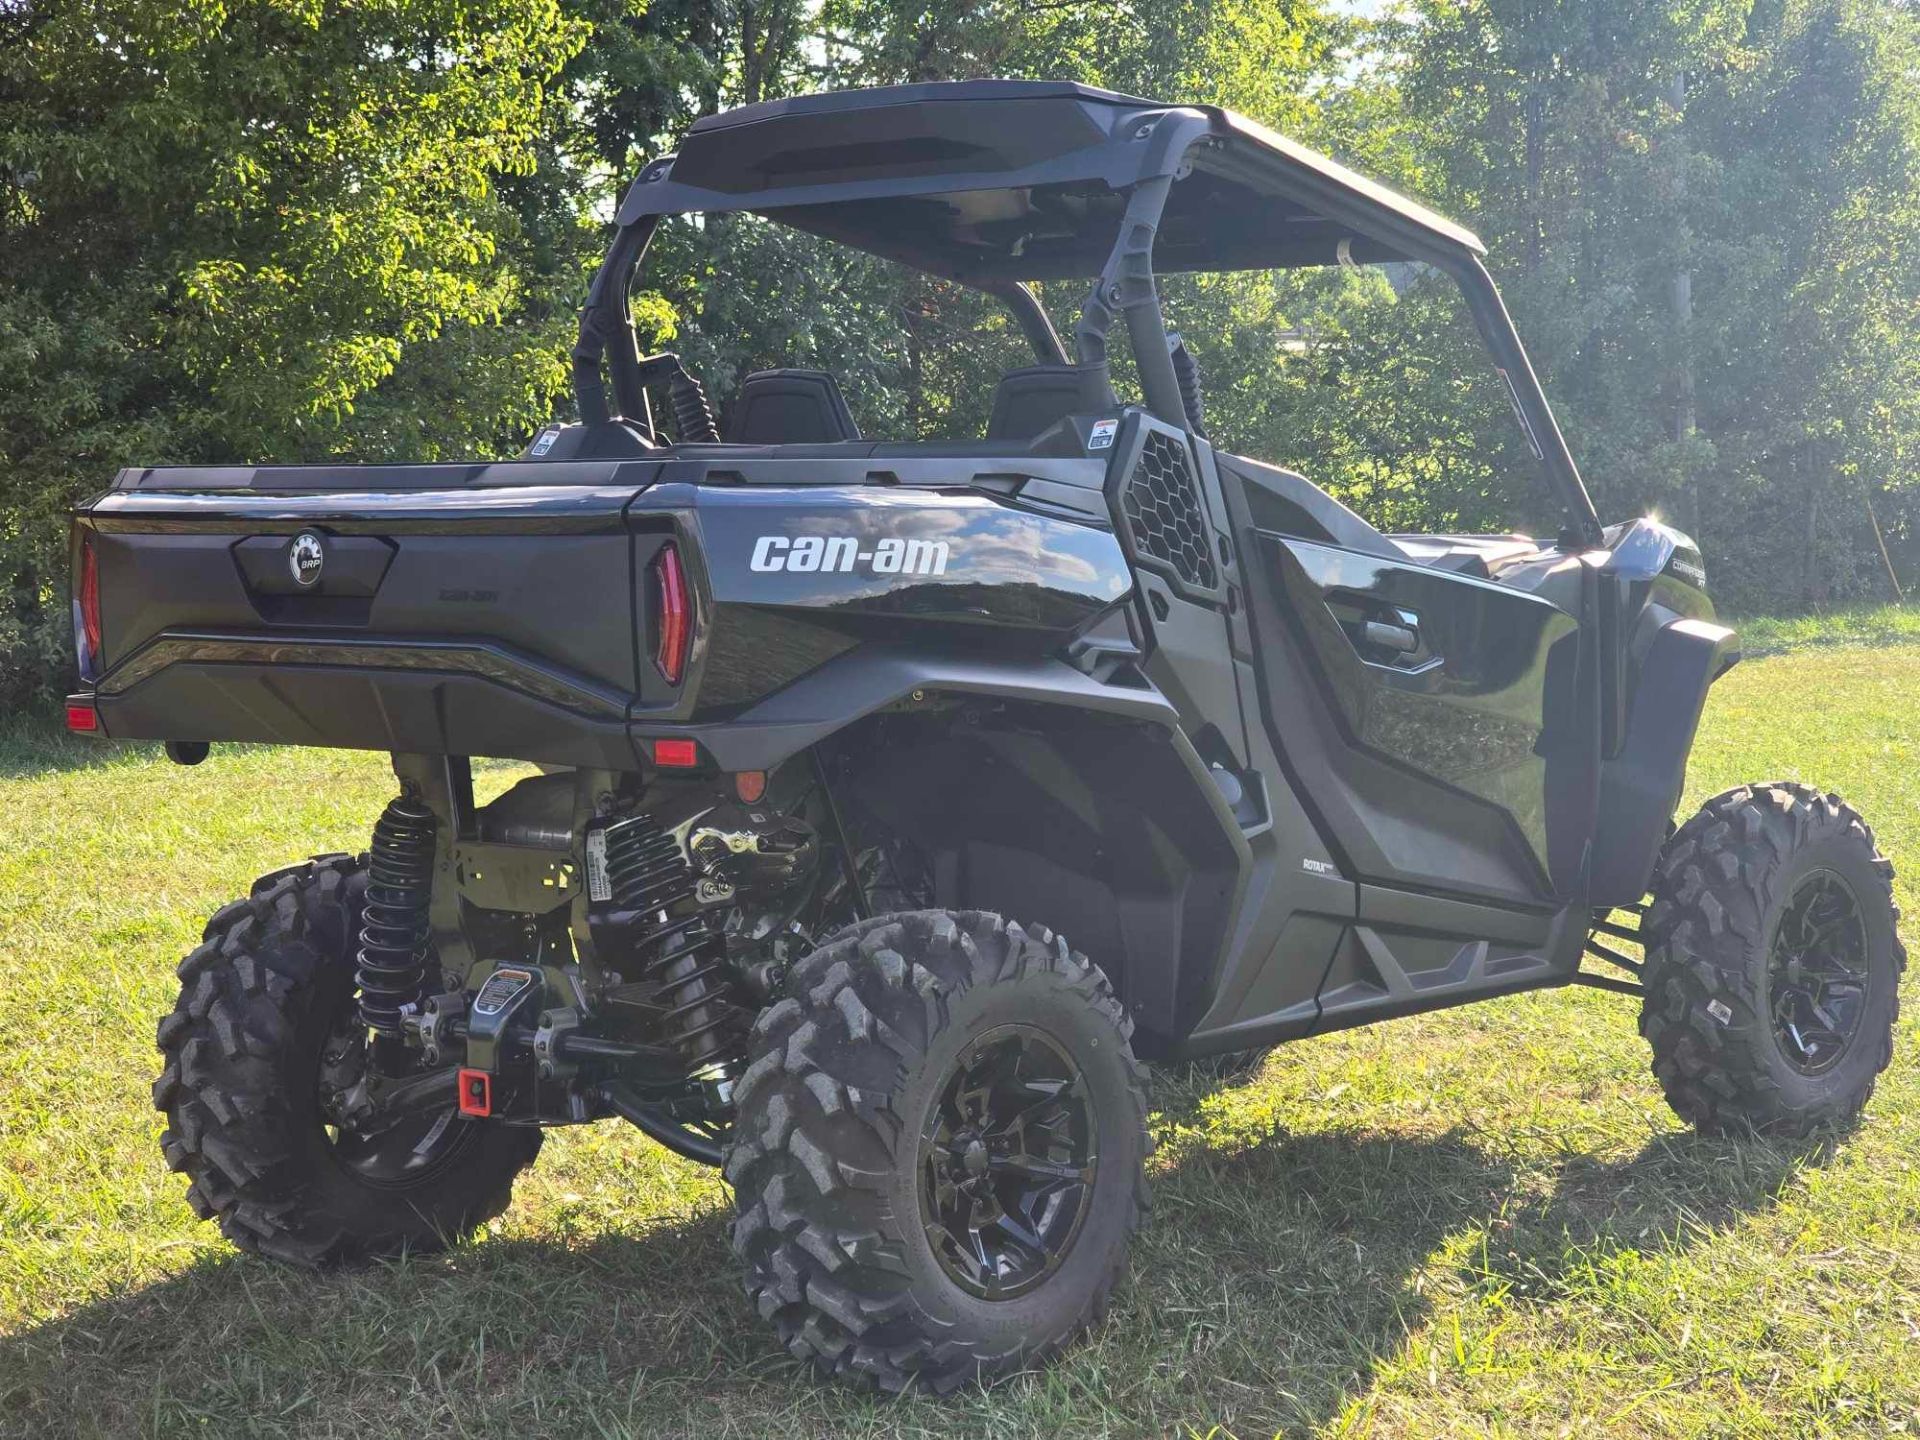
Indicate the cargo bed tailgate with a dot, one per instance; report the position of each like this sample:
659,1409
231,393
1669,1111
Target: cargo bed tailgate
473,618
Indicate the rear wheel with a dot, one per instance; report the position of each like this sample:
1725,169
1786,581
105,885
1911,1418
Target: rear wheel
938,1154
261,1050
1773,963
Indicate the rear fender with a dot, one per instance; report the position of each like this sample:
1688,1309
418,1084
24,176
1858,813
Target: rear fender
1101,826
876,677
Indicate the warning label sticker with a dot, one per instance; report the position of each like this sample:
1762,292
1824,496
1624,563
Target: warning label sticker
598,886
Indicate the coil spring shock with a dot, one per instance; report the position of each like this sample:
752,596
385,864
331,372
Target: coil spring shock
684,955
688,962
391,968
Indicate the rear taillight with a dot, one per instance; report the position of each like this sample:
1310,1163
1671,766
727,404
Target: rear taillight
86,610
672,614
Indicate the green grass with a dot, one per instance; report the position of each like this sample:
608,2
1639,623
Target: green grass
1853,625
1483,1222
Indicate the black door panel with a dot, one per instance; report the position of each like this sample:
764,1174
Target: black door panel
1457,746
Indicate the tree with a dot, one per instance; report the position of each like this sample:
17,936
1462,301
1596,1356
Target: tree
1782,189
254,231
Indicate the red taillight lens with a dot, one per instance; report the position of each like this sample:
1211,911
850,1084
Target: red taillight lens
86,603
677,754
82,719
672,614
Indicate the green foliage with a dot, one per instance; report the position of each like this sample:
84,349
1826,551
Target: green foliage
1771,153
256,231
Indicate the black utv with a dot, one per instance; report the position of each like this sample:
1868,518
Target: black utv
896,801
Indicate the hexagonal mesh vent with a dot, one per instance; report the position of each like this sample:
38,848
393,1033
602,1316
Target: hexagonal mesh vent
1162,505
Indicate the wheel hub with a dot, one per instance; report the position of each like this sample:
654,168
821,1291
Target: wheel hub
398,1151
1817,973
1007,1162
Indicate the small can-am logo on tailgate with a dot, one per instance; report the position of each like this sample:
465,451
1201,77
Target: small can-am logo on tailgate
842,555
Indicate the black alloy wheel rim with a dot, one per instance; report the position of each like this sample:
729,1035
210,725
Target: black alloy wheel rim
397,1155
1817,973
1007,1162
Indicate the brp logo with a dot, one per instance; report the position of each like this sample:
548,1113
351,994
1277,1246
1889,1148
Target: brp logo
306,558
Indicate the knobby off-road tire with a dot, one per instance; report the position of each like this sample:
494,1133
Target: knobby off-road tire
269,989
839,1129
1749,919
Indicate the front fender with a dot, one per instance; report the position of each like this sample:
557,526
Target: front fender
1640,786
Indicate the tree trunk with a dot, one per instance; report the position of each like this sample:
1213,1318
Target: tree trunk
1685,415
1534,112
1810,584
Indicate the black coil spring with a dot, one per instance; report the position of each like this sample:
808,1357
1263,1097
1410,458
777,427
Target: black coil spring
684,956
689,964
391,968
645,869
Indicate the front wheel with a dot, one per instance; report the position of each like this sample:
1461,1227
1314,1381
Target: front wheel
264,1040
939,1150
1773,962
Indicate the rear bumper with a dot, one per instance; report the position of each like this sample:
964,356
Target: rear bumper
455,696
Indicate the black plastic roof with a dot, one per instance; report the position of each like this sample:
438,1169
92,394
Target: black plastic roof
992,180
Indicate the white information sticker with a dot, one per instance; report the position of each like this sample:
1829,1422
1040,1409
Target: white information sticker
598,887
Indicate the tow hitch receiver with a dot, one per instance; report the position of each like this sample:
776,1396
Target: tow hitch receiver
476,1093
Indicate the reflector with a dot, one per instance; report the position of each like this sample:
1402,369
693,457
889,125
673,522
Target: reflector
676,753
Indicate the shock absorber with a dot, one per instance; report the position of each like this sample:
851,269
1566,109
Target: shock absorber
396,925
687,960
641,887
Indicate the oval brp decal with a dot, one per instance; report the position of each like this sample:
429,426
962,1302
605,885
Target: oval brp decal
306,558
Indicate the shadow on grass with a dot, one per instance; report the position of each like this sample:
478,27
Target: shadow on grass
1276,1274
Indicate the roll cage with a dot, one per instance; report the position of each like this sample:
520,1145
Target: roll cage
993,184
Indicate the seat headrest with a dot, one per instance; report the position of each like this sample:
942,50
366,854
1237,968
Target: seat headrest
1028,402
789,407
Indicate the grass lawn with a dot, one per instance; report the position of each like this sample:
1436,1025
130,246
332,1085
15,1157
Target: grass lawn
1477,1222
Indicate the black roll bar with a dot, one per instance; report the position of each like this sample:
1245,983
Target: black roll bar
1126,289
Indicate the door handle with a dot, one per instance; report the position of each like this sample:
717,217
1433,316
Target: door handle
1402,639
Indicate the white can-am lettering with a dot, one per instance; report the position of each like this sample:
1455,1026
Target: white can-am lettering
925,557
842,555
806,552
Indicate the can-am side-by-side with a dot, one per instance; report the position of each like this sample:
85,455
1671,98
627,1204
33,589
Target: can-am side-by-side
896,800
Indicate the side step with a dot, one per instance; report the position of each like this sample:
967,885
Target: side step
1605,924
